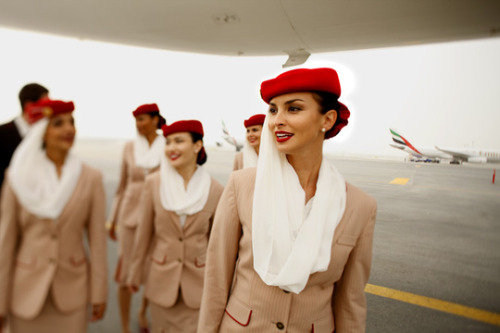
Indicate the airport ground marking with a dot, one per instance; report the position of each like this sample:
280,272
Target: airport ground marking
435,304
399,181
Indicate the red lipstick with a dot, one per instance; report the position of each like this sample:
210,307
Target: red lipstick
282,136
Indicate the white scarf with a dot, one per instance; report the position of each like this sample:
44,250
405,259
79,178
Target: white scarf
145,156
34,177
289,244
250,156
22,126
173,194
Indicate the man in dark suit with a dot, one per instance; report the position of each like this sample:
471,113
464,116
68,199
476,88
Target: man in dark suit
11,133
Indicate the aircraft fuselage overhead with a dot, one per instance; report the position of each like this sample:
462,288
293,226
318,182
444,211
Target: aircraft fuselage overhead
259,27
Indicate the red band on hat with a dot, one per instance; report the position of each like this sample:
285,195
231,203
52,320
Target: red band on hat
301,79
146,108
47,108
193,126
305,79
257,119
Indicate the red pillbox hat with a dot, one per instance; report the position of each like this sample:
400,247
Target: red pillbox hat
304,79
146,108
257,119
193,126
301,79
48,108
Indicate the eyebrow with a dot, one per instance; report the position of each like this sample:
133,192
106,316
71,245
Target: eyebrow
289,102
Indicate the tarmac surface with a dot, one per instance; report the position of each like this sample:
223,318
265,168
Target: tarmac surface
436,242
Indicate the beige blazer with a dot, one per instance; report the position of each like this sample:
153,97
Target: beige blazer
125,206
235,299
238,161
38,255
178,257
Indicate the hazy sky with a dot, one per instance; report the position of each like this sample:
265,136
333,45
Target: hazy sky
439,94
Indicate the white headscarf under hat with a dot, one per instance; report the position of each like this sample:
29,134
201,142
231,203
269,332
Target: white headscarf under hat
250,156
289,242
34,177
146,156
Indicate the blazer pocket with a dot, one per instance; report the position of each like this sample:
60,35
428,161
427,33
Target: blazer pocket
200,261
238,311
347,240
26,263
159,258
313,331
77,260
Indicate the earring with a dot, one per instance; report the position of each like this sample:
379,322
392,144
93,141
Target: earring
323,130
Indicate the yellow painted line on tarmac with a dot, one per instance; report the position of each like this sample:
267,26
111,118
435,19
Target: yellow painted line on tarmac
435,304
399,181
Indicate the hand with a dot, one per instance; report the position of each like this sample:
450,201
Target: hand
112,232
97,311
133,289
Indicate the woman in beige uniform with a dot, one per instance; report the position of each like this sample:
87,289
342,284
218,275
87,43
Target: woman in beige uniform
291,244
140,157
50,200
177,209
248,157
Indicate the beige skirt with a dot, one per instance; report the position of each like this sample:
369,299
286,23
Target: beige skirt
125,245
177,319
126,238
51,320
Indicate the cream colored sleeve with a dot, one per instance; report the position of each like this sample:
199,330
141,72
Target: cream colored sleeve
97,243
349,300
144,234
221,260
9,238
115,206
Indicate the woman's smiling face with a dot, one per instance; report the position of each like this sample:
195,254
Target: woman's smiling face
296,122
180,149
253,135
60,133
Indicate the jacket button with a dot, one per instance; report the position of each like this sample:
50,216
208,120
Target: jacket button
180,239
179,260
52,260
280,325
54,236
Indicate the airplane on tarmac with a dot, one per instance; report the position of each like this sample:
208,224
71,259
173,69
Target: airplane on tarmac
456,156
258,27
229,138
472,155
417,155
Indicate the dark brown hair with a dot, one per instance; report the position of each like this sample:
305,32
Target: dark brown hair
31,92
202,155
327,101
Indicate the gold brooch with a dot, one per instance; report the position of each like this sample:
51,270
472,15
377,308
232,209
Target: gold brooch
47,111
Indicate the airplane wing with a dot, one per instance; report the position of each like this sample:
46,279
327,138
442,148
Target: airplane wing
407,150
258,27
457,155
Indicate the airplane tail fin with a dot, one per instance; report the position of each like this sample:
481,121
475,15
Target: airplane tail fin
229,138
224,128
399,139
